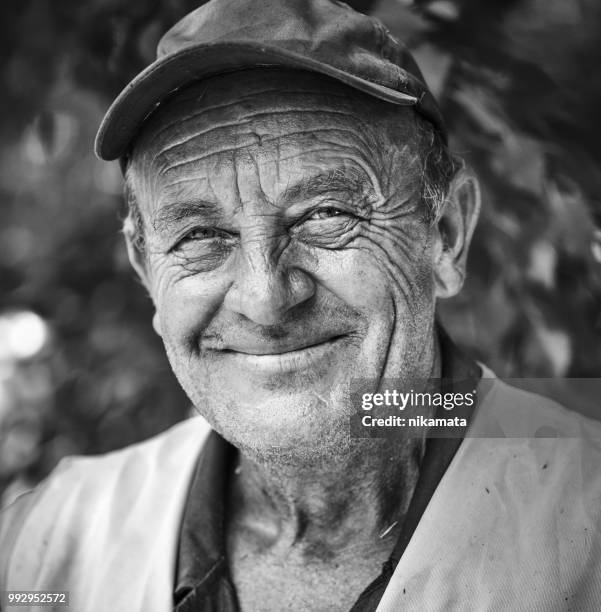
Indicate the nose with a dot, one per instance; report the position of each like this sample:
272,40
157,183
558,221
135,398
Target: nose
265,286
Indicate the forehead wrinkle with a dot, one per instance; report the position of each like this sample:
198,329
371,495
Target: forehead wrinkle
385,195
201,132
175,123
340,178
176,182
284,158
374,179
232,149
170,107
369,171
168,216
177,188
175,196
252,116
337,177
279,157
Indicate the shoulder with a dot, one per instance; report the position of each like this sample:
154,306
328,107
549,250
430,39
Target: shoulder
83,492
161,452
510,412
521,502
539,454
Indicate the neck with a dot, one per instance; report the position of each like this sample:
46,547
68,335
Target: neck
353,500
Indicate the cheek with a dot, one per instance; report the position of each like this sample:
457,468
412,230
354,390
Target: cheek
185,304
390,264
385,275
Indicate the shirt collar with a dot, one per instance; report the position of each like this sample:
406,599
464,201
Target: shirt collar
201,566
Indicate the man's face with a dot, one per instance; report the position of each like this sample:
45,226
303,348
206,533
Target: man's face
287,252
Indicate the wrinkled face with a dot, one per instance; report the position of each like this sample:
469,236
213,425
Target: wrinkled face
287,252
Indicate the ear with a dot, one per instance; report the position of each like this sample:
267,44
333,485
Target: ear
138,262
453,233
135,254
156,323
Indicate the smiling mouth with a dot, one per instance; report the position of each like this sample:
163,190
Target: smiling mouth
280,358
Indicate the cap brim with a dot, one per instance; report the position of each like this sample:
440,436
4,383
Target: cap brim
166,75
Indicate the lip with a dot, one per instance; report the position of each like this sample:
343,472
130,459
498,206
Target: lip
280,358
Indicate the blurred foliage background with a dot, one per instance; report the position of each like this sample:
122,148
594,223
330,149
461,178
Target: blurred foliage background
81,370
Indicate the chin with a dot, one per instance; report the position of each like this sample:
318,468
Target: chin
292,427
299,450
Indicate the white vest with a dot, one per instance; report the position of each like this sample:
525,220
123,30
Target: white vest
513,525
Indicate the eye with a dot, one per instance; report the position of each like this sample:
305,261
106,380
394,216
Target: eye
327,213
328,227
203,239
205,233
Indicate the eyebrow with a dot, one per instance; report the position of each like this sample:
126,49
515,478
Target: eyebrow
170,215
337,180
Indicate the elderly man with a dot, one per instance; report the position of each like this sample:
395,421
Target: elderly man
294,214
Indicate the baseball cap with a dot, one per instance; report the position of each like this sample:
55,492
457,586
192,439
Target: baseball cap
323,36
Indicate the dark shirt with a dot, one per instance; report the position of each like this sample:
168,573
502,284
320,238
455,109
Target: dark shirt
203,580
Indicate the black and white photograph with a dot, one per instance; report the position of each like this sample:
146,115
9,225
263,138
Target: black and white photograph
300,306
